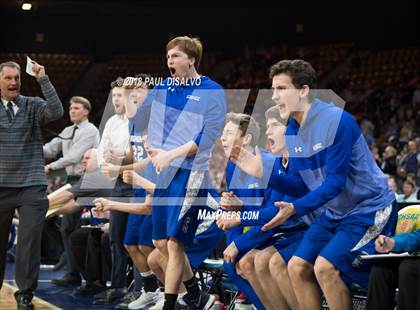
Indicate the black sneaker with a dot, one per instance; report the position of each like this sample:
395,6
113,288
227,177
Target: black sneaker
90,288
109,296
68,280
180,306
204,302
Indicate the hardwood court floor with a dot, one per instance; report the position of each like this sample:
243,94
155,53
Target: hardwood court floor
7,300
49,296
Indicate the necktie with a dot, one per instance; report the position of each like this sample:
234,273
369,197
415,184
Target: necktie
63,138
10,112
73,133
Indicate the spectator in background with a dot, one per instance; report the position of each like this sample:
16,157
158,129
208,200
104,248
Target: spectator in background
393,141
409,162
389,160
401,175
408,192
406,132
413,178
375,154
368,129
393,185
393,128
417,140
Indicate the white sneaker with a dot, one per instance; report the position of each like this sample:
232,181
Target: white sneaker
180,299
160,302
145,299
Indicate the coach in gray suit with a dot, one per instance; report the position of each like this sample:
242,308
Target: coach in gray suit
22,177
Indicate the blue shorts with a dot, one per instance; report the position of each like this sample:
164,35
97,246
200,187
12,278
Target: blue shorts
203,244
159,222
342,241
287,243
139,230
176,203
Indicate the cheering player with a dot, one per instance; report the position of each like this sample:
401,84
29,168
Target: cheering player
185,115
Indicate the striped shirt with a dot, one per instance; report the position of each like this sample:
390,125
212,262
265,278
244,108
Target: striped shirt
21,156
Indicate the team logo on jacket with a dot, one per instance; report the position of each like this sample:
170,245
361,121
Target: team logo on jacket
253,185
192,97
317,146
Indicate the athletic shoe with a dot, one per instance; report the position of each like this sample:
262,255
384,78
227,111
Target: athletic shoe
204,301
128,298
145,300
160,302
180,303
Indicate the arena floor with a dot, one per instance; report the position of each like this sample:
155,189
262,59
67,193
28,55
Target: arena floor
48,296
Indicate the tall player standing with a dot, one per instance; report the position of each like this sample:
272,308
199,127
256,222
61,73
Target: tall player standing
185,116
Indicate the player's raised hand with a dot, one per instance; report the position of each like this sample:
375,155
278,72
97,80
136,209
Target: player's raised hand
286,210
247,161
384,244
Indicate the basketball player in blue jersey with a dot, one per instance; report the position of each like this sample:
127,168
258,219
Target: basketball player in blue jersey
279,243
206,239
244,192
184,116
327,148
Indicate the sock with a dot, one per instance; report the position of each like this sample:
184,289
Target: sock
138,281
146,273
150,283
170,301
193,290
